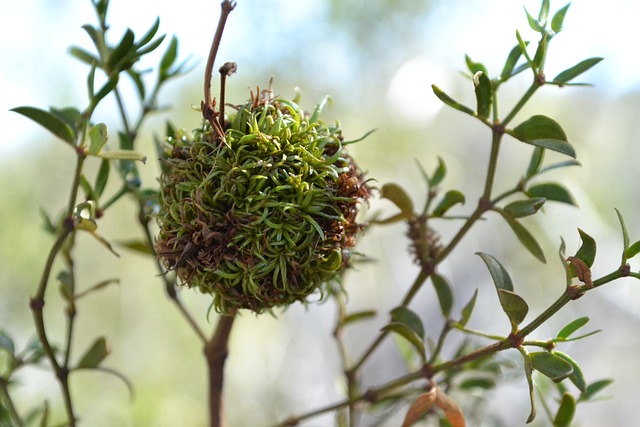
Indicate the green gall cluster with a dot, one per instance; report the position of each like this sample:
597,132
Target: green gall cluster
265,216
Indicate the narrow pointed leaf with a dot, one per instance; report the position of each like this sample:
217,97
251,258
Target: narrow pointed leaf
499,274
399,197
450,199
576,377
533,22
102,178
439,173
552,191
169,57
138,245
451,102
544,13
541,52
484,94
106,89
359,316
523,48
514,306
512,61
408,334
537,157
632,250
137,81
100,285
121,51
49,121
594,388
475,67
566,411
524,236
572,326
558,165
149,34
522,208
83,55
444,293
528,372
95,354
587,251
623,227
550,365
467,310
558,19
573,72
123,155
409,318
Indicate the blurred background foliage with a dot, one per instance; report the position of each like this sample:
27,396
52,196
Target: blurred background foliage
377,60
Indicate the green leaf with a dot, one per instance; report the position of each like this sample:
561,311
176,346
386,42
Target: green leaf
475,67
122,50
544,13
566,411
450,199
558,19
587,251
541,51
576,377
408,318
439,173
512,60
49,121
537,157
533,22
552,191
483,383
467,310
83,55
98,136
98,286
514,306
573,72
407,333
168,58
149,34
138,245
550,365
523,48
528,372
544,132
499,274
632,250
444,292
359,316
572,326
451,102
105,89
96,37
625,233
139,84
102,177
523,235
484,94
399,197
47,224
594,388
522,208
94,355
69,115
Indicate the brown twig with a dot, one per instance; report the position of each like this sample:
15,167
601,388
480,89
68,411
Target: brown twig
216,351
208,105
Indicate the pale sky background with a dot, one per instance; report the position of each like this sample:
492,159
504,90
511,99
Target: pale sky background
373,85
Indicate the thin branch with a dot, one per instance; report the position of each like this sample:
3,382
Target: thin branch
216,351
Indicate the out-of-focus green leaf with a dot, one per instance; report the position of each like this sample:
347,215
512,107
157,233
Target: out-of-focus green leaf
514,306
467,310
122,155
122,50
408,318
439,173
98,136
148,36
499,274
632,250
533,22
450,199
139,83
573,72
558,165
541,52
168,58
105,89
542,131
595,388
550,365
522,208
358,316
475,67
572,326
552,191
399,197
524,236
558,19
49,121
535,163
512,60
102,177
407,333
444,292
7,343
625,233
483,383
138,245
47,224
442,96
544,13
100,285
83,55
528,372
576,377
484,94
587,251
94,355
566,411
